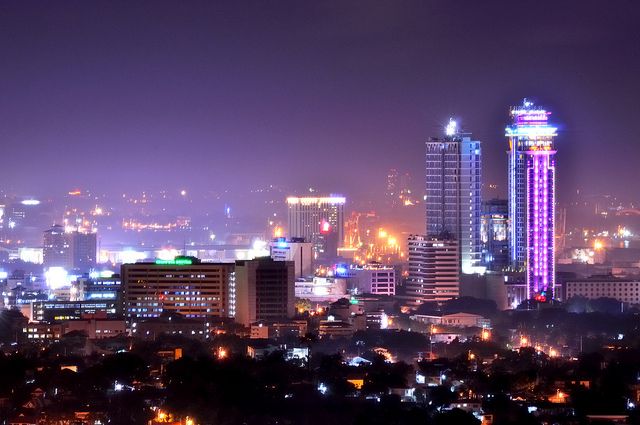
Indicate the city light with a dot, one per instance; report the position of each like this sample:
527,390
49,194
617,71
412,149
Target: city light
174,262
451,128
57,277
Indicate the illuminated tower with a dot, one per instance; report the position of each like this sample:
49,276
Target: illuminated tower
319,220
532,197
453,197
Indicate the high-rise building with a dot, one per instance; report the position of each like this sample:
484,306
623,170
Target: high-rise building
57,250
264,290
319,220
69,250
453,193
393,191
84,250
434,270
183,285
494,229
532,197
295,249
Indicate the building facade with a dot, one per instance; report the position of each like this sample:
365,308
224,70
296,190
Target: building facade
319,220
184,285
57,250
532,197
297,250
434,270
453,193
623,290
69,250
372,278
494,230
264,290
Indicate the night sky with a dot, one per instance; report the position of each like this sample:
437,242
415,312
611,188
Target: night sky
128,95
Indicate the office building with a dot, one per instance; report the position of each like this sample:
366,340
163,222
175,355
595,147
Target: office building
453,193
84,248
434,270
594,287
319,220
57,250
69,250
57,311
372,278
294,249
494,228
184,285
392,191
264,290
532,197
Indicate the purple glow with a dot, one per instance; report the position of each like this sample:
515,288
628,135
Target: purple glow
540,222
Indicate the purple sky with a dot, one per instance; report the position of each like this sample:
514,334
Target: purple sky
130,95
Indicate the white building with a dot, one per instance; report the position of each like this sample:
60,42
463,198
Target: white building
321,289
295,249
319,220
624,290
434,270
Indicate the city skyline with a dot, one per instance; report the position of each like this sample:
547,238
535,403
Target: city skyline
116,87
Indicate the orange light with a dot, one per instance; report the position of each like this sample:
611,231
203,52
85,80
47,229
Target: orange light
486,335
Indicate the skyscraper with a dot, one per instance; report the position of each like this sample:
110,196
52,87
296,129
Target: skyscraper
57,250
453,196
532,197
319,220
84,248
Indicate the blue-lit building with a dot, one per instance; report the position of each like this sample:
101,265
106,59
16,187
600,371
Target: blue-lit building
532,197
453,193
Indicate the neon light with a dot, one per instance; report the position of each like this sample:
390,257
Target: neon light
532,197
175,262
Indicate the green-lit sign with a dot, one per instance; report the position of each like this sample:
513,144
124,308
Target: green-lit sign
175,262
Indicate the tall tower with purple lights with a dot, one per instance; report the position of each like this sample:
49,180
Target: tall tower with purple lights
532,197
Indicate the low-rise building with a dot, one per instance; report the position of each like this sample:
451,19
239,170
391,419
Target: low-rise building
623,290
97,328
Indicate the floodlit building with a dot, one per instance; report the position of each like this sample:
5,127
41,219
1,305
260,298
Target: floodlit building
183,285
453,193
532,197
319,220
